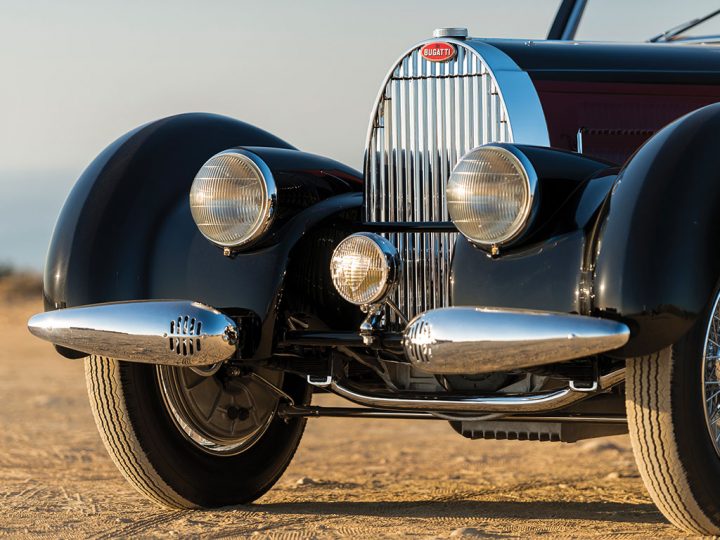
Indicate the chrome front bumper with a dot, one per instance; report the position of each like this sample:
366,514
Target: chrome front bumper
458,340
473,340
169,332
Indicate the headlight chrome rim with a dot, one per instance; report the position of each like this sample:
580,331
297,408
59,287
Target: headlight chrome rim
524,218
268,210
391,270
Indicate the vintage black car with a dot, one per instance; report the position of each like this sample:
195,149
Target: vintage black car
529,254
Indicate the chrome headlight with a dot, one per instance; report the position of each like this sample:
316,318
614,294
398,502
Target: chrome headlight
490,194
233,197
364,268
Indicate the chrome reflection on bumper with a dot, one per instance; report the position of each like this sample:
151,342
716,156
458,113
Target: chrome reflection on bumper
468,340
168,332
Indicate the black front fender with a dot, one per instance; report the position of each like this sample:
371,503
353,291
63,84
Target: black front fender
251,280
657,261
126,232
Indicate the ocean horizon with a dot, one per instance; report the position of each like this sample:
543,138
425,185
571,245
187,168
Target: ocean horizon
30,202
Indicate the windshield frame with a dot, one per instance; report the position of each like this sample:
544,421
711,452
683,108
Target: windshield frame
567,19
570,13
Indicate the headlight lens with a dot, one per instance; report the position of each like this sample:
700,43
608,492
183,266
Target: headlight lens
490,194
364,268
232,198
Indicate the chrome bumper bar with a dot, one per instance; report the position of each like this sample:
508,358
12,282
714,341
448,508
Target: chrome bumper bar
169,332
469,340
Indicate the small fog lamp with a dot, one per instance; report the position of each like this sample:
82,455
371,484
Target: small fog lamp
364,268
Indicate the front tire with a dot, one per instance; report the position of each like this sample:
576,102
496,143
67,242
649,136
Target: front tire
147,442
673,428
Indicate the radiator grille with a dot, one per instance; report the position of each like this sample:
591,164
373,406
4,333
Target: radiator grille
429,115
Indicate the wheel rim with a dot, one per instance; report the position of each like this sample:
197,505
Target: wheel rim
221,415
711,376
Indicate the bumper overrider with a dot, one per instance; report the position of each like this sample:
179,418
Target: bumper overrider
168,332
468,340
462,340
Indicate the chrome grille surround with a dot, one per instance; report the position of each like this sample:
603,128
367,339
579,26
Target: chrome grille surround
427,116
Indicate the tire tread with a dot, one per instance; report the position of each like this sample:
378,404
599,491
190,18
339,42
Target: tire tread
649,410
112,419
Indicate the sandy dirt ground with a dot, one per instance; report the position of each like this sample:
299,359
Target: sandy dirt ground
350,477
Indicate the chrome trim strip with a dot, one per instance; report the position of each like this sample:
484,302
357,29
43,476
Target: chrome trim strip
579,141
469,340
526,118
167,332
526,403
695,40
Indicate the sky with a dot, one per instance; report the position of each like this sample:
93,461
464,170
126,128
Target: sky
77,74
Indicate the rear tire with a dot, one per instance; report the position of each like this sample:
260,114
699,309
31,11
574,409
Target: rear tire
158,458
670,435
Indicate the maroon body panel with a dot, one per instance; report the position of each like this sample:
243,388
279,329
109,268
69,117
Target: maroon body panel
615,118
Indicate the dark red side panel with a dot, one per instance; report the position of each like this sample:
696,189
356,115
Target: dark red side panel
614,119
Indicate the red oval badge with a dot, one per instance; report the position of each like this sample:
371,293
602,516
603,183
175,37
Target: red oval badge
438,51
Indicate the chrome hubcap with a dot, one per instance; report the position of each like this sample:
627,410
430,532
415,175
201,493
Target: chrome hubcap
711,376
219,414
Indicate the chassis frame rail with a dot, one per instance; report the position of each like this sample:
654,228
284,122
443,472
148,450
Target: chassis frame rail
366,412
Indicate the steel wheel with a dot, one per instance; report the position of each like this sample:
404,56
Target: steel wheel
219,414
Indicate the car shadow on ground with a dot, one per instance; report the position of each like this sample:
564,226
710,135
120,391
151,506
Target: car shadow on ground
574,510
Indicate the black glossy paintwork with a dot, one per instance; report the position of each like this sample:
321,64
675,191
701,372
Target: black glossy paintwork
562,177
658,262
638,245
544,276
251,280
546,269
302,180
616,62
644,254
126,231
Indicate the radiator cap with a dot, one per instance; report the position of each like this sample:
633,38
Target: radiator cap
460,33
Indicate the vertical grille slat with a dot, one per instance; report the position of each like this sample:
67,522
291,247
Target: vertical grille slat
429,116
